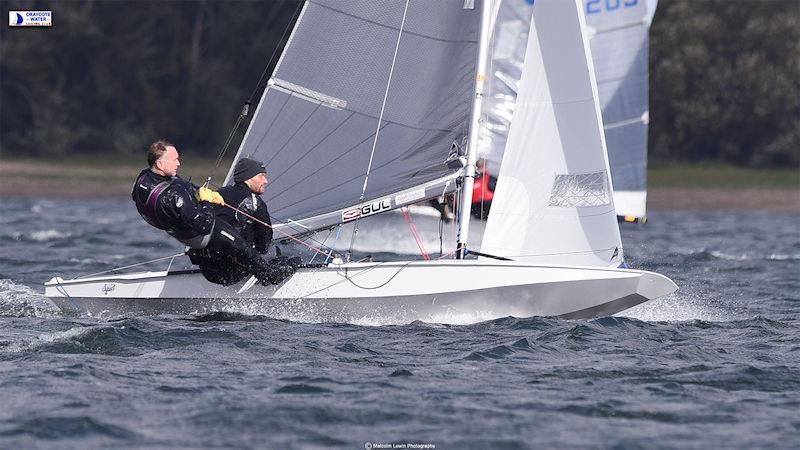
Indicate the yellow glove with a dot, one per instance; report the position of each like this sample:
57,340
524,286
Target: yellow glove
207,195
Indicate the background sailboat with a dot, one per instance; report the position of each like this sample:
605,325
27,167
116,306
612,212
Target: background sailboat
619,37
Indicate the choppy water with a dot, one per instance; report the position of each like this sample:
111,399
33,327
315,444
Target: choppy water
715,365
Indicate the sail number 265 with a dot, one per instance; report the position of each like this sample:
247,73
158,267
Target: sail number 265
597,6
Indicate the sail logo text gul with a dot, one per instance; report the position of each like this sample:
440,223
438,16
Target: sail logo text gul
367,209
108,288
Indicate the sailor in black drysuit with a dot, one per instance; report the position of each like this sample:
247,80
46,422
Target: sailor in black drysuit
169,203
250,218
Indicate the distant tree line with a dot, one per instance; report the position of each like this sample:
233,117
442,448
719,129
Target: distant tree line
110,76
725,81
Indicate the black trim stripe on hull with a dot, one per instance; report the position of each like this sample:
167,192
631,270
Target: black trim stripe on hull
606,309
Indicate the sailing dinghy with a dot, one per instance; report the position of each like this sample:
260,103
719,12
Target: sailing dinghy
377,105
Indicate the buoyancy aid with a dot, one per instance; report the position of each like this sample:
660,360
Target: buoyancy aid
169,204
147,209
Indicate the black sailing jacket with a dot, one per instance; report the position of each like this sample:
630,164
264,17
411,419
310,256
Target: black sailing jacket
240,197
176,209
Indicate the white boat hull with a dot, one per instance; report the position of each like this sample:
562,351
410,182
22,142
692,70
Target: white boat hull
452,291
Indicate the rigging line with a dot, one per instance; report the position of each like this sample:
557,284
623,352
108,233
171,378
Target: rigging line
380,119
354,147
344,278
275,50
400,269
448,254
246,107
316,249
441,232
242,114
343,182
414,234
306,232
302,157
335,240
297,130
577,252
272,122
132,265
323,244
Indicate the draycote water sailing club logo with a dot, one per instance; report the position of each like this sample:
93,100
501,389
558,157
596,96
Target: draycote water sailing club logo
30,18
367,209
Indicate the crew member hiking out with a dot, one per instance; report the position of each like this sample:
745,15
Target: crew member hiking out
250,218
250,181
170,203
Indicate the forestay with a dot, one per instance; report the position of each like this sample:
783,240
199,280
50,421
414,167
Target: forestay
618,34
553,202
315,125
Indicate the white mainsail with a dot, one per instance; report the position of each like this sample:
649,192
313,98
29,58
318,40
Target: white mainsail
553,202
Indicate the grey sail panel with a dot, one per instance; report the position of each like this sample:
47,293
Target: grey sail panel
507,56
316,123
619,42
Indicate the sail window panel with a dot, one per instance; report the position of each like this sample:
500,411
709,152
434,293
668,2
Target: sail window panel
580,190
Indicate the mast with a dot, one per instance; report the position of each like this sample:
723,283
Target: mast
465,207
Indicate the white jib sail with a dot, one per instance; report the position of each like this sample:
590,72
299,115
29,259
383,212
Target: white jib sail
553,203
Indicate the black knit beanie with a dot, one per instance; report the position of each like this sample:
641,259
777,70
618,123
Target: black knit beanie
247,168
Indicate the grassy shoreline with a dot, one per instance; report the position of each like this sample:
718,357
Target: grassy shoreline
683,186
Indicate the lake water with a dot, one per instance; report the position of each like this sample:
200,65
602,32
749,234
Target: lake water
715,365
